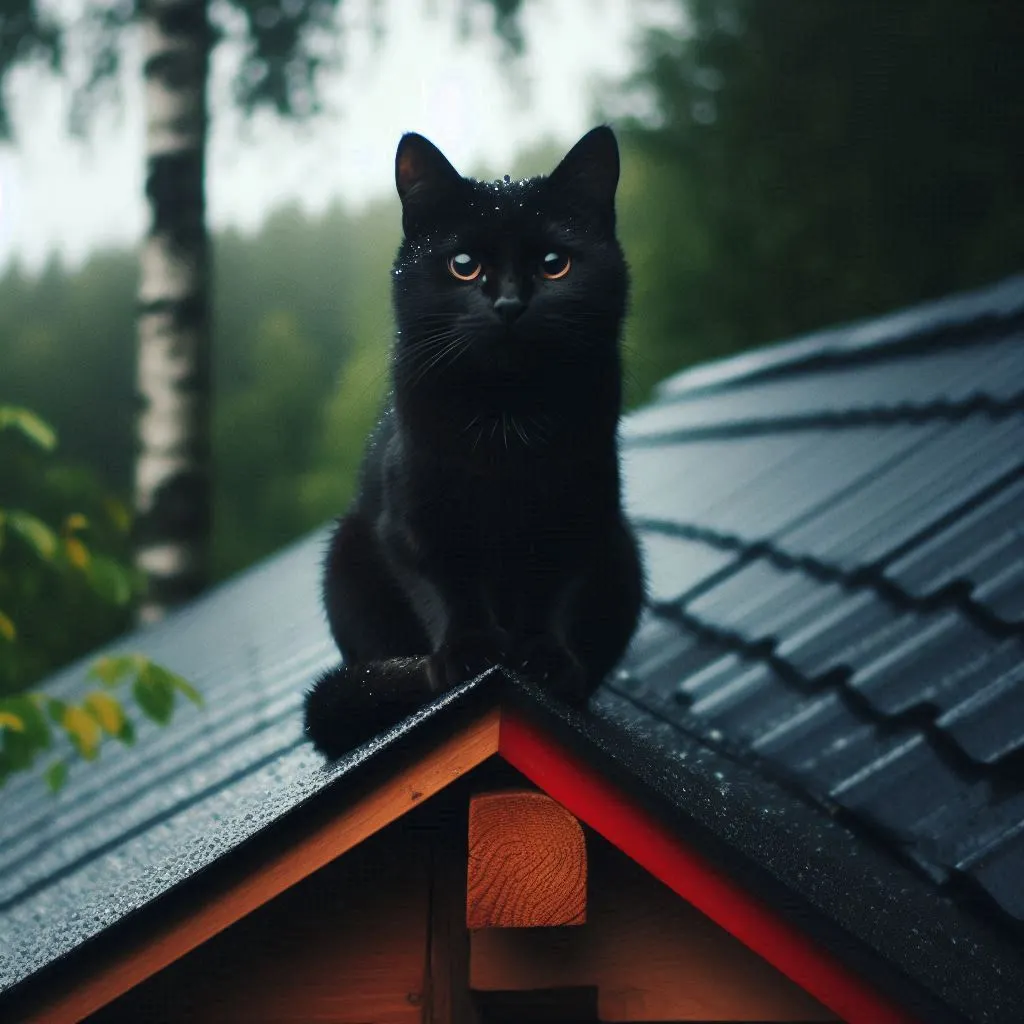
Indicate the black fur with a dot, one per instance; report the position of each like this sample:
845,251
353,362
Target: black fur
488,527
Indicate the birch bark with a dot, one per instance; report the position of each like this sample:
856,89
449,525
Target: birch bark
172,473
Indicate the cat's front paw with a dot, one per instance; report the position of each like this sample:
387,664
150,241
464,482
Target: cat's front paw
548,662
466,656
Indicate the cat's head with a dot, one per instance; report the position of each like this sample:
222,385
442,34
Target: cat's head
509,277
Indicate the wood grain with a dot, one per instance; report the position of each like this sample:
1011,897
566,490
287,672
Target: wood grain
169,940
651,955
527,864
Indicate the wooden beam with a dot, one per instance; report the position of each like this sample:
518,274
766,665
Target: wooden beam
650,955
449,999
173,938
527,862
656,847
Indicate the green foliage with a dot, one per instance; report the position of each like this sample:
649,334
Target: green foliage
30,723
50,578
814,162
56,568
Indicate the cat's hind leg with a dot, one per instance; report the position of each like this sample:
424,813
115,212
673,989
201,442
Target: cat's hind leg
384,675
369,614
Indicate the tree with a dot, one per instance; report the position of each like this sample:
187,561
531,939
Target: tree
287,43
818,161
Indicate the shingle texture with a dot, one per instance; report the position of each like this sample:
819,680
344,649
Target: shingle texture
830,673
838,582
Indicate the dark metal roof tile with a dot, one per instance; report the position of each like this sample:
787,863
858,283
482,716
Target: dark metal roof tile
661,657
992,371
988,724
993,528
1000,875
843,636
935,664
945,473
1002,591
674,566
834,745
681,483
796,737
837,463
902,788
755,702
964,316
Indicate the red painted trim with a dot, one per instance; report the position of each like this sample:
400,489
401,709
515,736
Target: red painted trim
640,836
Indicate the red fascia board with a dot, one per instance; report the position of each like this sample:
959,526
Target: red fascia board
639,835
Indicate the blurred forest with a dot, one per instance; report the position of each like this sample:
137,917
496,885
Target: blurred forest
801,164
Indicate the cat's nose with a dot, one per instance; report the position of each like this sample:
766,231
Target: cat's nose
508,307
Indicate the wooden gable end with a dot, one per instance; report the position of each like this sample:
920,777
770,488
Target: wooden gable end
379,936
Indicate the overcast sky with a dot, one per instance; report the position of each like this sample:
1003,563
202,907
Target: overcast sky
71,197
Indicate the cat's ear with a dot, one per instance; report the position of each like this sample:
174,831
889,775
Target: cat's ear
590,170
423,176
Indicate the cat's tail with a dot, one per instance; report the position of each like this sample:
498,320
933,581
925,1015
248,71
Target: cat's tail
351,703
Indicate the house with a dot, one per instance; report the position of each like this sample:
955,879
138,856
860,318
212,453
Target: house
801,798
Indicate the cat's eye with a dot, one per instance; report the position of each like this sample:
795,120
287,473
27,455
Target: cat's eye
464,267
555,265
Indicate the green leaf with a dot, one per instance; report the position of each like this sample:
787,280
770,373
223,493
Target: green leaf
126,734
154,694
183,686
28,423
110,580
55,708
34,532
56,775
111,669
7,630
119,514
19,749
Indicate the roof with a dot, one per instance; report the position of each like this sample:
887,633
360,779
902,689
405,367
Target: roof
826,694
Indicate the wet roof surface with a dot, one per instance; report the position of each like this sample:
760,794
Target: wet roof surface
834,531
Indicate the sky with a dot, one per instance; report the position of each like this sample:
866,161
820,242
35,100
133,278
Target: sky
69,197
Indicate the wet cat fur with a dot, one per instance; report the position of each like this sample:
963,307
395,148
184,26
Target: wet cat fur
488,526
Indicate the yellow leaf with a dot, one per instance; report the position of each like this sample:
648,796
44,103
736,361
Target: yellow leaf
75,521
83,730
9,720
107,711
78,554
7,630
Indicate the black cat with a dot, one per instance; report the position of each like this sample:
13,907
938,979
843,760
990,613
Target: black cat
488,527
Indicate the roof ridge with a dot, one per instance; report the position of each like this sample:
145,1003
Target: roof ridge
1000,301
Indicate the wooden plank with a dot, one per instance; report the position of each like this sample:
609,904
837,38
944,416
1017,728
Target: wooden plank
527,862
651,955
346,946
170,940
450,1001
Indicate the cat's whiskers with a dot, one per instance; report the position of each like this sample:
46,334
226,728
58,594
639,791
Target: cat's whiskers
454,348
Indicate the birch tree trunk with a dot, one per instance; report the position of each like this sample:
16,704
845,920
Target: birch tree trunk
172,472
